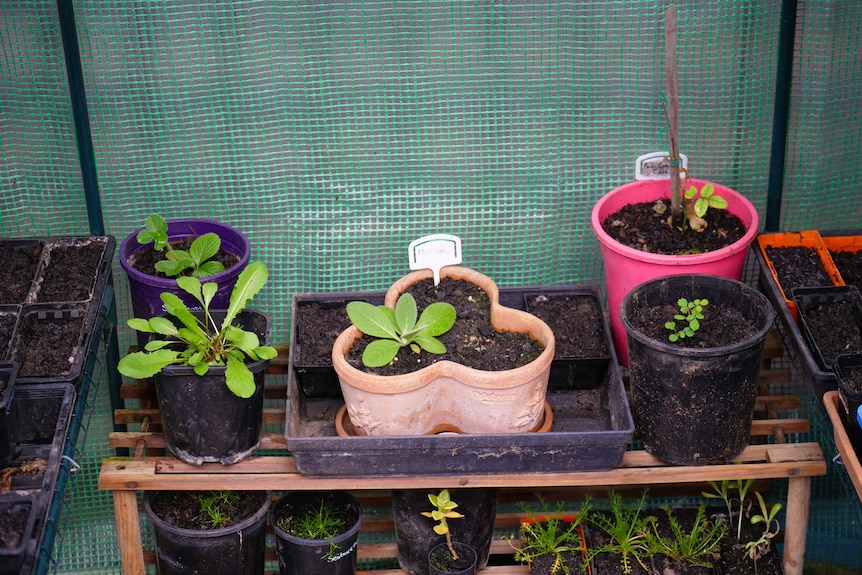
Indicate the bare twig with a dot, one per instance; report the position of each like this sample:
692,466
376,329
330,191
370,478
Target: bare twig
672,112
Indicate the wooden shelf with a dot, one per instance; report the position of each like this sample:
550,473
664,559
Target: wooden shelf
769,456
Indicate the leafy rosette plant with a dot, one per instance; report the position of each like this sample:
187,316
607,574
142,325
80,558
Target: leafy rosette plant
196,261
400,327
202,342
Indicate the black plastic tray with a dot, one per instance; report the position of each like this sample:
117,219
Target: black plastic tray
591,431
88,310
805,298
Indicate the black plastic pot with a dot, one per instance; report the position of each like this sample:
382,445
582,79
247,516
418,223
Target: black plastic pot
414,533
8,371
692,406
850,397
25,510
235,550
812,301
203,420
440,560
336,556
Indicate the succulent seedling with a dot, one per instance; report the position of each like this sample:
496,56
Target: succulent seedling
443,512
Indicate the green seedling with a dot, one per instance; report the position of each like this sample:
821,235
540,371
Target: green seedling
195,262
199,341
698,546
707,199
723,491
400,328
629,531
321,523
216,506
690,312
551,534
445,510
760,547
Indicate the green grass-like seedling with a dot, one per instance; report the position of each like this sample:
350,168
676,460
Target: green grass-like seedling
400,328
629,531
551,534
698,546
214,506
690,312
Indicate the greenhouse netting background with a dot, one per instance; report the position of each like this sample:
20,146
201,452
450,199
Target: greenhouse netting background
334,133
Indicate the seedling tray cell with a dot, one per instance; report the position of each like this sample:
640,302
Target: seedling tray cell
809,299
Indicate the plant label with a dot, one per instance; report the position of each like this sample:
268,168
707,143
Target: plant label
656,166
434,252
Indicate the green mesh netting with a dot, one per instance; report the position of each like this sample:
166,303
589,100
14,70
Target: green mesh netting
333,133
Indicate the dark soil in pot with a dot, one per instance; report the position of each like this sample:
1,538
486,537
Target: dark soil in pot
722,325
833,328
13,523
7,327
71,272
47,346
797,266
145,260
472,341
576,322
734,559
321,326
849,265
182,509
571,563
643,226
19,265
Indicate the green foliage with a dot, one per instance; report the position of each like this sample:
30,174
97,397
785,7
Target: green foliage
195,262
215,505
444,510
551,534
708,199
723,491
697,546
760,547
399,327
201,342
323,522
629,531
690,312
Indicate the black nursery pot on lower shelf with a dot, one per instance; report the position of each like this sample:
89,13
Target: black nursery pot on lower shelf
831,322
17,519
848,371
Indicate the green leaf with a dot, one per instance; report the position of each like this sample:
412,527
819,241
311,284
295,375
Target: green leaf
380,352
707,190
140,365
155,230
373,321
266,352
717,202
429,343
239,379
208,269
163,326
670,325
208,291
250,281
405,313
201,368
192,286
694,324
438,318
673,337
139,324
690,193
175,306
204,247
245,340
700,207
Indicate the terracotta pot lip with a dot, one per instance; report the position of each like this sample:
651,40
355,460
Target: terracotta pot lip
696,352
738,205
392,384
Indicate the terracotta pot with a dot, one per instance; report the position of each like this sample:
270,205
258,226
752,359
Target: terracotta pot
627,267
447,396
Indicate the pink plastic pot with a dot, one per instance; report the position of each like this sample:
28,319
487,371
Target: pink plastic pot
627,267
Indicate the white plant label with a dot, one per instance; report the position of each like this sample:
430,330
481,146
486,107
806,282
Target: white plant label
434,252
656,166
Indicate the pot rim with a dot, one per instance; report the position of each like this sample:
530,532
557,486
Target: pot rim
211,533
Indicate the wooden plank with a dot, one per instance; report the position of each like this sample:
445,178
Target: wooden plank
760,462
274,415
154,440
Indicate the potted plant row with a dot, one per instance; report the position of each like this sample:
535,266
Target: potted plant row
589,411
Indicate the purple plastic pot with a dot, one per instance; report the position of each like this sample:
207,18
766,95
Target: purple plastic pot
145,289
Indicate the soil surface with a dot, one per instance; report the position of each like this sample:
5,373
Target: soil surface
183,508
71,273
145,260
49,346
833,327
721,325
849,265
318,326
7,327
13,521
472,341
19,269
643,226
443,561
576,321
797,266
853,379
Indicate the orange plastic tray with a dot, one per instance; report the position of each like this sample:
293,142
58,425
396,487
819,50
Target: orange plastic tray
842,441
808,238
